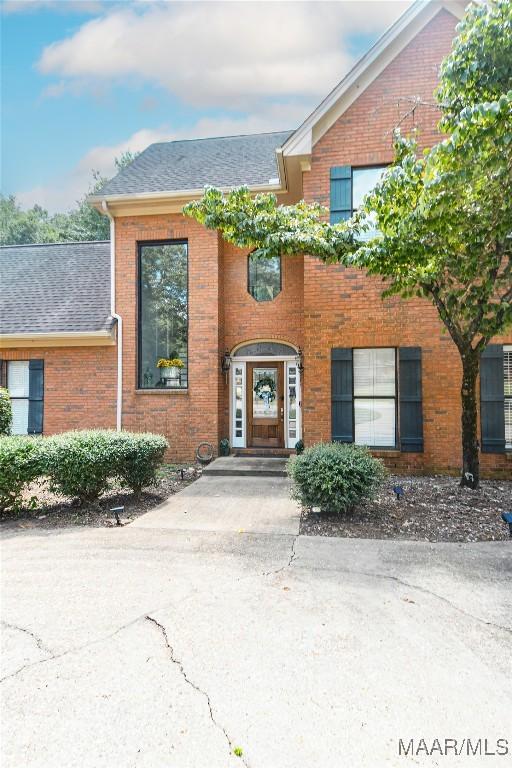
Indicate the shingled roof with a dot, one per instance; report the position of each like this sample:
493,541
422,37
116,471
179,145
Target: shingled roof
227,161
56,287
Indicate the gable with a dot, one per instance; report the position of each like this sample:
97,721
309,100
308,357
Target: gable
405,30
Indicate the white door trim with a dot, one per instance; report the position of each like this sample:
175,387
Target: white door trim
240,363
237,427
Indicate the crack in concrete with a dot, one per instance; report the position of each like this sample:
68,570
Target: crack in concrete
95,641
431,593
293,555
425,591
403,583
76,649
41,646
194,685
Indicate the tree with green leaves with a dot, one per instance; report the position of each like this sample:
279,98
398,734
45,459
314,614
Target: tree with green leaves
444,218
36,225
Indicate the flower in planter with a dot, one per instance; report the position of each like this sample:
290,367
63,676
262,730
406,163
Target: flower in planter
173,363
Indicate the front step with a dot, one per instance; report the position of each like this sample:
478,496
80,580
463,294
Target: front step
263,452
246,466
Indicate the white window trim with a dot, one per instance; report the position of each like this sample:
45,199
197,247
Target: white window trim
20,398
289,441
241,442
395,398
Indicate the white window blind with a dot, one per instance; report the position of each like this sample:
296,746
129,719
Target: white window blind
18,386
19,417
374,421
375,397
17,377
374,372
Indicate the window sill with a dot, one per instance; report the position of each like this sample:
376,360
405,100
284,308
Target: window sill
163,391
385,451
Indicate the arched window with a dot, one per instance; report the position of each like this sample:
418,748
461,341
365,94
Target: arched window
265,349
264,276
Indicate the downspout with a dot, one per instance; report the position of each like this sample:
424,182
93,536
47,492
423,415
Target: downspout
113,313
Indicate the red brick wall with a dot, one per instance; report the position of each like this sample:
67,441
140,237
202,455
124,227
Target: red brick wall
189,417
245,319
343,308
79,386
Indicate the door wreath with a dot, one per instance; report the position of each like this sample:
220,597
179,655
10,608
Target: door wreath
265,389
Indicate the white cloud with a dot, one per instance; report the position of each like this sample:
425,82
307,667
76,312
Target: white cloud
218,53
272,61
61,193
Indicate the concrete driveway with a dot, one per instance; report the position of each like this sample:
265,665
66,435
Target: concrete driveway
169,647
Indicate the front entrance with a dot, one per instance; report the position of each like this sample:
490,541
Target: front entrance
265,399
265,405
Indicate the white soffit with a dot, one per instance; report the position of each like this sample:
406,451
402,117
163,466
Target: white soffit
367,69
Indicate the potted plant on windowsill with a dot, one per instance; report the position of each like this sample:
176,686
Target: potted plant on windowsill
170,370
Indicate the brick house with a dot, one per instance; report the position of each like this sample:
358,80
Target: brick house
272,352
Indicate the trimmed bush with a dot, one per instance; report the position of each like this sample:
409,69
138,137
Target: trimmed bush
335,476
138,457
19,465
5,412
81,464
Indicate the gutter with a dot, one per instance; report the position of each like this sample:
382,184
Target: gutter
119,397
57,338
175,195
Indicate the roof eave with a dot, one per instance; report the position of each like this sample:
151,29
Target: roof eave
176,196
105,337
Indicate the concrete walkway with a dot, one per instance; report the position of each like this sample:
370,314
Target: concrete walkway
237,503
151,648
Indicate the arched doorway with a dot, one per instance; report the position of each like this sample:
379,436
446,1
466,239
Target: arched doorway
265,410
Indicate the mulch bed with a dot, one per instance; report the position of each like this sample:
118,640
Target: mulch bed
431,509
53,511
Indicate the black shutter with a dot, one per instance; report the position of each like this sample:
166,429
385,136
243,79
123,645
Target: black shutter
342,412
341,193
3,373
492,399
410,397
35,396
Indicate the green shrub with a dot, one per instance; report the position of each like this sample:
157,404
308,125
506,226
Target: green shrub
79,464
138,457
82,464
19,465
335,476
5,412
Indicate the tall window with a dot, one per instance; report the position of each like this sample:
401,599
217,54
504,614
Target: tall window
375,397
264,277
507,364
163,314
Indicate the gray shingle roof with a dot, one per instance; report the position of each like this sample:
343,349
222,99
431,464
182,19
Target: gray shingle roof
55,287
228,161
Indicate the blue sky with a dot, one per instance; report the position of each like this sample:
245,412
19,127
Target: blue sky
83,80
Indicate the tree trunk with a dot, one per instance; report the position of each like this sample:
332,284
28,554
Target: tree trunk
470,449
